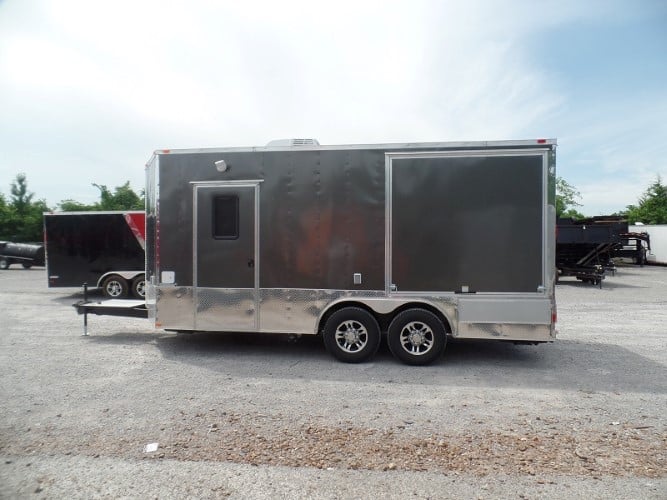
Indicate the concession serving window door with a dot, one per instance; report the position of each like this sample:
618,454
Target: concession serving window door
225,246
469,221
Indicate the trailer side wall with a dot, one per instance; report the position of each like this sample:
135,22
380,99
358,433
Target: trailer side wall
386,227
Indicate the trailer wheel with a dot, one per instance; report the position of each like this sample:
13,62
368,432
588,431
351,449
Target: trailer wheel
641,259
139,287
114,287
26,265
416,337
4,263
352,335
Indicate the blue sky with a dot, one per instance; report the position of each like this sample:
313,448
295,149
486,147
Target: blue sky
89,89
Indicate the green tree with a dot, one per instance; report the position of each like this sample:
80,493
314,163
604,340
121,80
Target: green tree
75,206
566,200
121,198
21,218
652,206
7,219
31,228
21,198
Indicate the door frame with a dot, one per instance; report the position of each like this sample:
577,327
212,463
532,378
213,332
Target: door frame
196,186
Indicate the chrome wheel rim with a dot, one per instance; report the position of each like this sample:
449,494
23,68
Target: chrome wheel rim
351,336
141,288
114,288
417,338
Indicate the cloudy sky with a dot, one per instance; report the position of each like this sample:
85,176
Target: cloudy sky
88,89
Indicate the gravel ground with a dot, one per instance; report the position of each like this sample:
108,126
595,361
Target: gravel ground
261,416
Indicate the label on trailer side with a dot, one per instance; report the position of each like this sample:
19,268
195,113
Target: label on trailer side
168,277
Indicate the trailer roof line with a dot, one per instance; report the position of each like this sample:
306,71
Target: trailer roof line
282,145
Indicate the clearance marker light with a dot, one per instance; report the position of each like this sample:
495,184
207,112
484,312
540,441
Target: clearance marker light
541,141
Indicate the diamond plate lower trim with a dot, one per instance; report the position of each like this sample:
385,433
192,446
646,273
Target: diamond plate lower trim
174,308
225,309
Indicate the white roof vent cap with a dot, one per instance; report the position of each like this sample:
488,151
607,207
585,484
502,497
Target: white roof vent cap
284,143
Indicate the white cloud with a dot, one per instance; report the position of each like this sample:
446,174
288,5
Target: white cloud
610,195
614,152
91,89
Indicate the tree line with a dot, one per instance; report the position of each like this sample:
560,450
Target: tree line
651,208
21,215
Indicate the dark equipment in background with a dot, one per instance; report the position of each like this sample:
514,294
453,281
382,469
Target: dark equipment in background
585,248
635,246
26,254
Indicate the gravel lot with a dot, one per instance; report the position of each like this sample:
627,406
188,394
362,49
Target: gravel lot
259,416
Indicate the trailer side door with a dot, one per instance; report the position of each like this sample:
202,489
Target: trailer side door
466,221
225,247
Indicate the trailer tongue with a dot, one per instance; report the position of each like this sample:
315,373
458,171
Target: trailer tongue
113,307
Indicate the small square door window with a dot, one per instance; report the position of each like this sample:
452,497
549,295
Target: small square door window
226,217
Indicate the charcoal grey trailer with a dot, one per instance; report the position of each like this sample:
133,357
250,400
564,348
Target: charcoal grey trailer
423,241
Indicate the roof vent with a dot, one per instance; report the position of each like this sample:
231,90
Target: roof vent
285,143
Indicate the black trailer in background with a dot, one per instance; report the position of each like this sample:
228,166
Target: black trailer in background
585,247
102,249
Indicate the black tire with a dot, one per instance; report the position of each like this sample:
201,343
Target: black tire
352,335
416,337
641,260
26,265
114,287
139,287
4,263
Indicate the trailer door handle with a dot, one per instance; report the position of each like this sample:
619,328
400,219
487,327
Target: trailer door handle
251,263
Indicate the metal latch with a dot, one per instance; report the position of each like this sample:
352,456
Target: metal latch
393,288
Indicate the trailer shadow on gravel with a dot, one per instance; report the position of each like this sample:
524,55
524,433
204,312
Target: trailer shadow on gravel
606,284
564,364
72,298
